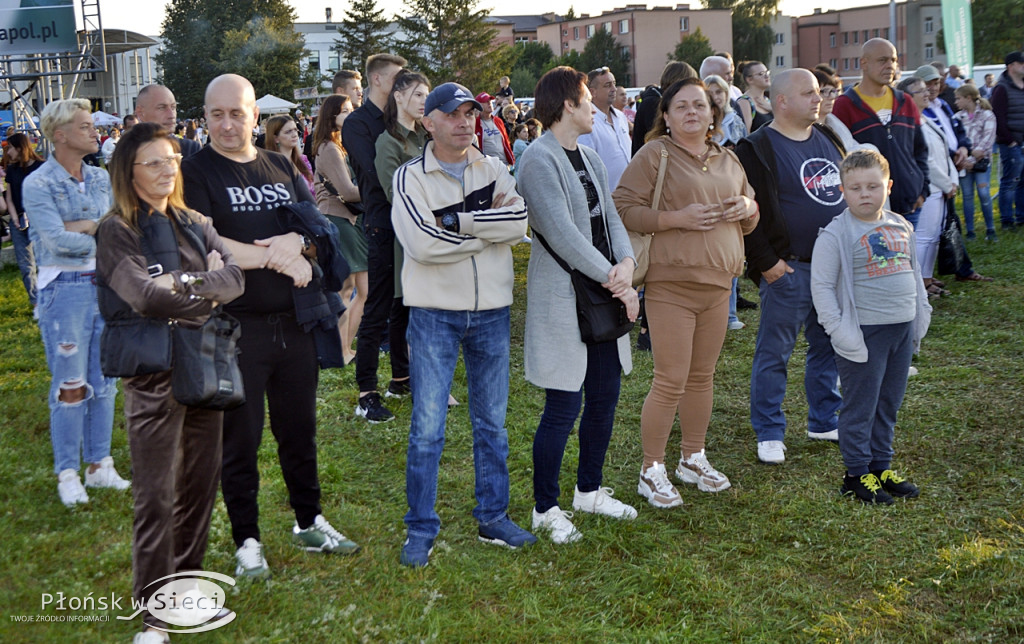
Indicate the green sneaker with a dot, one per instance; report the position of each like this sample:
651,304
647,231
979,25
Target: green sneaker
322,537
896,485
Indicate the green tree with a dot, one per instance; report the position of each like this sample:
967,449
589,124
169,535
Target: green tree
602,50
752,34
450,40
523,82
693,49
267,55
996,31
364,32
194,31
534,59
571,58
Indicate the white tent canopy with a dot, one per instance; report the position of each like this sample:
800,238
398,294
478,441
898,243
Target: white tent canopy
271,104
102,119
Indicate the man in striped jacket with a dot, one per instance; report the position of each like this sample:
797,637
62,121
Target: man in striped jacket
457,215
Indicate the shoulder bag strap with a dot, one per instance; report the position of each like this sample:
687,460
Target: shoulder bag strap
660,183
561,262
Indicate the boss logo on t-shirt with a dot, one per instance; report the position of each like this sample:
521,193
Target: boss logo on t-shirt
258,197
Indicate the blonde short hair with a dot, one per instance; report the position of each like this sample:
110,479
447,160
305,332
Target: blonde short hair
59,113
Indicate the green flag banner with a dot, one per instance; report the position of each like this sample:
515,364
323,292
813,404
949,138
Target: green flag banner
958,35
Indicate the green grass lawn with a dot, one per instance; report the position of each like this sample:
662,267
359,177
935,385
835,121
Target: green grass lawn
779,557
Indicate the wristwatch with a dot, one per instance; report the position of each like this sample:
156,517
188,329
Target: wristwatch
305,243
450,222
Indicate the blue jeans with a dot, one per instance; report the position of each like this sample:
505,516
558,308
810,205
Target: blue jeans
732,300
913,217
70,323
980,181
1011,185
26,265
786,307
434,337
561,408
873,393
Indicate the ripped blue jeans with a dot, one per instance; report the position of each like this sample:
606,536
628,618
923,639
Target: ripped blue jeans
70,323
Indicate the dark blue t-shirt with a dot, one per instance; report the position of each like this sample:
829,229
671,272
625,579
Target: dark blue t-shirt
809,194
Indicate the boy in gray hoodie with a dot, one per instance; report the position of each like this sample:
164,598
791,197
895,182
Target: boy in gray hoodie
867,289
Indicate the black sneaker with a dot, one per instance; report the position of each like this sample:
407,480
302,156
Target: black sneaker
743,303
371,409
398,389
867,488
643,342
896,485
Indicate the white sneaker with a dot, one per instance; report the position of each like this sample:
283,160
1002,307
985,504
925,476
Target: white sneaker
556,521
106,476
912,371
698,470
736,325
151,637
70,489
194,608
251,562
600,501
656,488
824,436
772,452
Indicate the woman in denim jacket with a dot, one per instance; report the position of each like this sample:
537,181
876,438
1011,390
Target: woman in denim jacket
65,198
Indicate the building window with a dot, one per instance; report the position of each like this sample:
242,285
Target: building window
780,61
929,27
856,63
333,62
780,38
885,33
565,45
874,33
565,32
929,51
607,27
846,38
865,36
846,63
833,63
624,26
575,33
832,40
590,31
684,23
314,60
856,37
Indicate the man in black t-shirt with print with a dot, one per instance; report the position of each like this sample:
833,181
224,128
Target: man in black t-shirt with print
240,188
793,167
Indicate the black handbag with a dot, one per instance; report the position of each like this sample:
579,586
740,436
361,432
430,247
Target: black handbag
601,317
206,372
952,252
982,165
135,347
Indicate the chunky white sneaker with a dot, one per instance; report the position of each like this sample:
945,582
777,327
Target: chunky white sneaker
556,521
832,436
697,470
600,501
736,325
70,489
771,452
106,476
656,488
250,559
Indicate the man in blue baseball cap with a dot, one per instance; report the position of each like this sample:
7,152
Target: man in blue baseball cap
457,215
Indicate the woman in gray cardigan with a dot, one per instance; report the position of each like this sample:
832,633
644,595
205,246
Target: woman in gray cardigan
566,189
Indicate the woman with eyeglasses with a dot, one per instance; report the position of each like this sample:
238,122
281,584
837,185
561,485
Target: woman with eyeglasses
755,105
65,199
158,261
830,87
283,136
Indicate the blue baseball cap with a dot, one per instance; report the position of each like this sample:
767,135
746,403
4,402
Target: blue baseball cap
448,97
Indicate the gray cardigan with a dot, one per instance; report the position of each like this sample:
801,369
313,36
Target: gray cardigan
555,357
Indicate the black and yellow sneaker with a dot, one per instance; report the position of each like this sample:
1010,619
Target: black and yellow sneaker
867,488
896,485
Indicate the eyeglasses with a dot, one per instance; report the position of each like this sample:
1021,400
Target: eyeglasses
829,93
765,74
159,164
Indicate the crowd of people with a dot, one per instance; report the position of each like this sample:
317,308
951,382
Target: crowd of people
832,202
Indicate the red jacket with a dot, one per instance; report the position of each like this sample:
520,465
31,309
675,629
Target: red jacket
509,157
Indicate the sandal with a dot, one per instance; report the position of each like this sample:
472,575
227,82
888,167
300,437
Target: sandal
974,277
938,283
936,290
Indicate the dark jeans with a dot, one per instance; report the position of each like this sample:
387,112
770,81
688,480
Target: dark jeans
277,359
561,408
872,396
381,307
